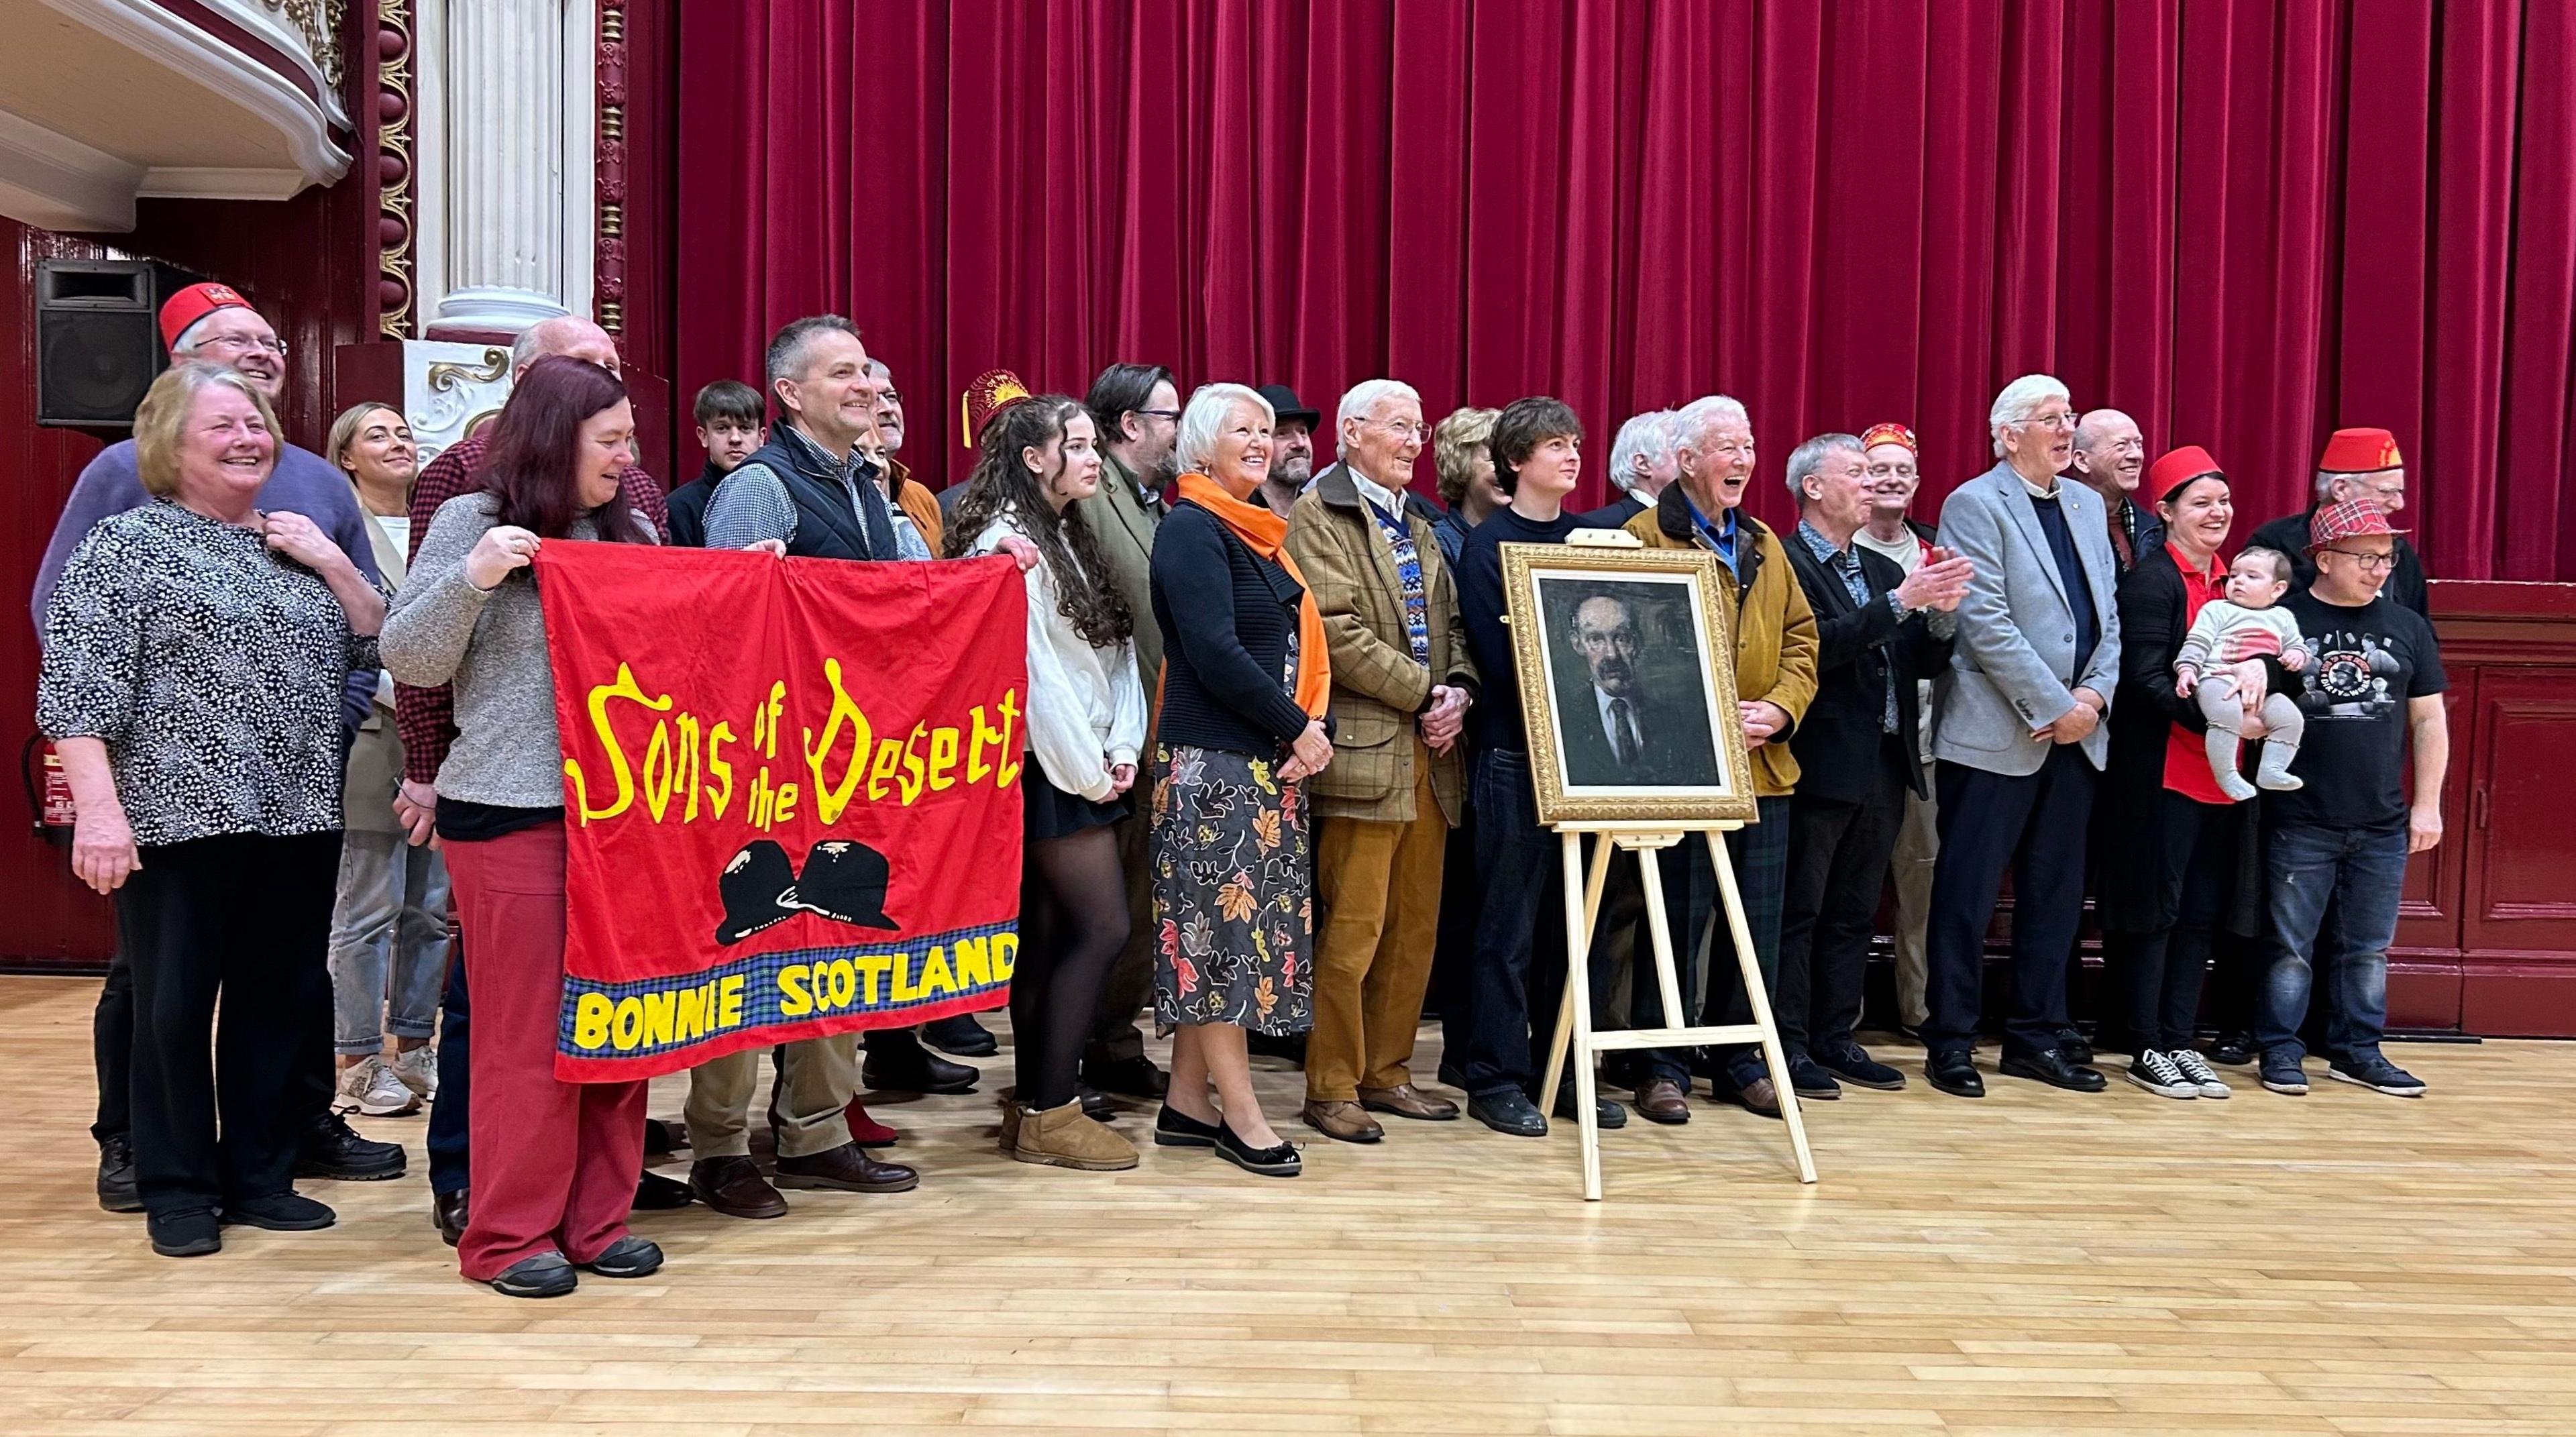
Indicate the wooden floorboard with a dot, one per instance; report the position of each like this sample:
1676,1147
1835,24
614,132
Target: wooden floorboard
2037,1263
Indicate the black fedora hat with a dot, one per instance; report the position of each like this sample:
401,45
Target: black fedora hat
1284,405
844,881
756,887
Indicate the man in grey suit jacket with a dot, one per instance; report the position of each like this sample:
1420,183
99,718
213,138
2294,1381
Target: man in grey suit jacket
2020,740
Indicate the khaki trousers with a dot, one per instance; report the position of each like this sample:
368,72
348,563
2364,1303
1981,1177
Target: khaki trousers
1918,847
1379,884
815,1086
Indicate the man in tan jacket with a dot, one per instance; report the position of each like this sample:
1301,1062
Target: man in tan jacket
1402,683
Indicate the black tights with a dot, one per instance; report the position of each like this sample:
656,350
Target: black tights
1073,922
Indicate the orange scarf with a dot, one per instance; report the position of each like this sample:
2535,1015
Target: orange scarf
1266,534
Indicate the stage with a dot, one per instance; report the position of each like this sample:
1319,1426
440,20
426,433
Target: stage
2038,1262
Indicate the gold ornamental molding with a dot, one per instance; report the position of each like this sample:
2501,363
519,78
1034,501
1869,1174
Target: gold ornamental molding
394,110
608,254
318,21
448,374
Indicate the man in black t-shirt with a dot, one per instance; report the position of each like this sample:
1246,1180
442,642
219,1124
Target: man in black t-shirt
2374,694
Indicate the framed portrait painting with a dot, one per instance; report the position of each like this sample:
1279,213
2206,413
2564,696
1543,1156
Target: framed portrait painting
1627,684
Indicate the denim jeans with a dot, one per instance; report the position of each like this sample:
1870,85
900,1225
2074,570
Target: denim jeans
390,920
2359,872
1516,859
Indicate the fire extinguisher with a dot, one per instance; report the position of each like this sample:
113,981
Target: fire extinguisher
49,793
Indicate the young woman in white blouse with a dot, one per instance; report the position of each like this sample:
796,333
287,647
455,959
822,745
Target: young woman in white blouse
1086,726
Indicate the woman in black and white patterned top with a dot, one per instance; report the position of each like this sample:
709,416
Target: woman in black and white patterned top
195,653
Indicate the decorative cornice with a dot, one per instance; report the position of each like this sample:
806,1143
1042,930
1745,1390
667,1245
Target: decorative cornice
318,21
394,111
608,262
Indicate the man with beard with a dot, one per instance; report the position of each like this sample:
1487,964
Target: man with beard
1292,449
2110,456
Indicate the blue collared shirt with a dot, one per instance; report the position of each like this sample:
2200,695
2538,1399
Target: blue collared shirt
1719,537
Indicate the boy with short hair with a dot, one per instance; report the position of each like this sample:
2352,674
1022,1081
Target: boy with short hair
729,429
2242,626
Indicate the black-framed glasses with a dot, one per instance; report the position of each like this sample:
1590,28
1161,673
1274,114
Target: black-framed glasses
2368,559
1171,414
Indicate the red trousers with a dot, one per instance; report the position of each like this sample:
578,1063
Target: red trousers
554,1163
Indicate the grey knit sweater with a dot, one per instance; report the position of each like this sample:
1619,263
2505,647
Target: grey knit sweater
491,647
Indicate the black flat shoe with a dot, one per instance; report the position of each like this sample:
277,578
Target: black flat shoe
1607,1113
1509,1112
960,1036
1135,1077
656,1193
447,1214
116,1190
545,1275
1176,1129
2071,1044
917,1071
629,1256
1277,1161
2052,1067
2234,1050
279,1212
1095,1103
1954,1073
189,1232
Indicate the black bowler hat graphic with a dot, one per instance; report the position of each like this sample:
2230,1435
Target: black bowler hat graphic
756,887
843,881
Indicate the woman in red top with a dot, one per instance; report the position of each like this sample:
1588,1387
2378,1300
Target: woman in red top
2171,863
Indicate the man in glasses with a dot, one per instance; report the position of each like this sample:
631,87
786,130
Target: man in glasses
2360,464
2020,743
2372,700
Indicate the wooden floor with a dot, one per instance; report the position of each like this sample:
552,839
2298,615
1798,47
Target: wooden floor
2035,1263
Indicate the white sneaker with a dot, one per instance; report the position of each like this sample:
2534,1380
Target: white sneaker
370,1088
418,1069
2197,1069
2160,1075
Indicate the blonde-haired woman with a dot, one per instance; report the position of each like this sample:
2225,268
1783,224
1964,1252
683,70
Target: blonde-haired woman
389,926
195,653
1466,470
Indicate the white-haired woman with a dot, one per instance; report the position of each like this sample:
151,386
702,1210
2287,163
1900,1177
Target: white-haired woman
195,653
1245,680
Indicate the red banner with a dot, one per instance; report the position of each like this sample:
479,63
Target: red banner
792,808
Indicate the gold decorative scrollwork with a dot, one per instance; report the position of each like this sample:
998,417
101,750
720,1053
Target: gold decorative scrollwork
447,374
394,196
318,21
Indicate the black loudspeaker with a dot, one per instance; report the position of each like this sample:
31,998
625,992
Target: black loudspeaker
98,338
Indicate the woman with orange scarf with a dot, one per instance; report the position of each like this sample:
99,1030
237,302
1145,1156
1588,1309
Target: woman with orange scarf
1244,683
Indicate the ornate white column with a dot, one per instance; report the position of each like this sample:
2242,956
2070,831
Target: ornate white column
505,148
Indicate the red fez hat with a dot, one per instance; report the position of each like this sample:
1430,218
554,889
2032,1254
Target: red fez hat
195,303
2347,519
2360,451
992,391
1878,434
2180,467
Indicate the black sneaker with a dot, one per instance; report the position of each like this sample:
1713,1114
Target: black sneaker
1135,1077
2233,1050
545,1275
188,1232
116,1191
1852,1064
333,1149
1810,1081
1279,1160
2161,1075
2370,1070
1176,1129
2283,1074
280,1212
960,1036
629,1256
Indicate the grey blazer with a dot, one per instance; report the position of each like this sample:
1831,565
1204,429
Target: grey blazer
2016,632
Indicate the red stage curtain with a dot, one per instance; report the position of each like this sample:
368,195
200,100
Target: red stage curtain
2244,223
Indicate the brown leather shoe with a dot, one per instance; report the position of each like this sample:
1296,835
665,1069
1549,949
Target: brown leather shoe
1348,1122
447,1211
1407,1101
1662,1100
846,1168
733,1186
1759,1098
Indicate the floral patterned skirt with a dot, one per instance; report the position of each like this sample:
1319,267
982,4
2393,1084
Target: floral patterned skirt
1234,894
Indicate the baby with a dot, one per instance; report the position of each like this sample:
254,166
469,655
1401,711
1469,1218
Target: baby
2229,631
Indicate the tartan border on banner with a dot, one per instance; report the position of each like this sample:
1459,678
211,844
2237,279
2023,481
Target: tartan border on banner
643,1028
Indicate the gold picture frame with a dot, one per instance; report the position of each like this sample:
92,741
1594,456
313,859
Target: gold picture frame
1679,755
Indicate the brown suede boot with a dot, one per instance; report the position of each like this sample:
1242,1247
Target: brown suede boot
1063,1137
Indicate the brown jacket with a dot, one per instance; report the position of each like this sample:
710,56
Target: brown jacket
916,501
1775,630
1124,521
1377,687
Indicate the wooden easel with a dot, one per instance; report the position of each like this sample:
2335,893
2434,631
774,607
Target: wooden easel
1574,1015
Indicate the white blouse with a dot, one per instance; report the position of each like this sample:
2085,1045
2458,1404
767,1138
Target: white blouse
1086,709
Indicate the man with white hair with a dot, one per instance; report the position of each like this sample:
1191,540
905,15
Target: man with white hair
212,322
1641,464
2110,457
2361,464
1402,683
2020,742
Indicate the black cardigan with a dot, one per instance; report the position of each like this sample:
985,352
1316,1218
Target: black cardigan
1227,615
1837,744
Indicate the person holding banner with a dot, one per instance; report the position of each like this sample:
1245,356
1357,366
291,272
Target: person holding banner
555,1163
1086,724
1245,681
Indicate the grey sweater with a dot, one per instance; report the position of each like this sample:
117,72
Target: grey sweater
491,646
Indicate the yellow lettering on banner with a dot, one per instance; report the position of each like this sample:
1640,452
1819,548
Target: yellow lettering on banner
831,798
721,771
1006,953
903,990
911,782
872,971
659,1009
624,688
792,999
943,759
590,1017
657,755
974,960
881,772
845,982
729,1003
769,711
976,768
785,810
627,1028
689,785
935,977
1010,770
764,802
691,1024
